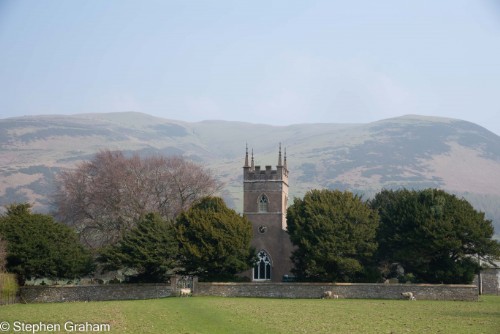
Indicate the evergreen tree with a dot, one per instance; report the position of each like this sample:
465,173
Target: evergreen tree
150,249
214,240
433,235
335,236
38,247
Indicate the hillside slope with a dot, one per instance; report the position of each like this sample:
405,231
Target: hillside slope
409,151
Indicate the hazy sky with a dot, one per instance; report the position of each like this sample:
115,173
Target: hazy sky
274,62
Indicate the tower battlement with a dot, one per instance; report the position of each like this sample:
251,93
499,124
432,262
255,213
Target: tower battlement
251,172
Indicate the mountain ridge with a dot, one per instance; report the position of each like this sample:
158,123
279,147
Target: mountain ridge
409,151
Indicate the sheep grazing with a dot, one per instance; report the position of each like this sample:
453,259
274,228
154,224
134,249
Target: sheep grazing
185,292
408,295
329,295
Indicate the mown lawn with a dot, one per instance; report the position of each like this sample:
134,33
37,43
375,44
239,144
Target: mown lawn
253,315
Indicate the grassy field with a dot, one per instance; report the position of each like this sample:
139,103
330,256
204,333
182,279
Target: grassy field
252,315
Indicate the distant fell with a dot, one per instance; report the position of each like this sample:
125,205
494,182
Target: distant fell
410,151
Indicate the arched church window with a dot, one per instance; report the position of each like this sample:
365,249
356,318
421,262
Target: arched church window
263,203
262,268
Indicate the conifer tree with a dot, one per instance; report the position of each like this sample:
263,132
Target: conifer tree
435,236
214,240
335,236
150,249
39,247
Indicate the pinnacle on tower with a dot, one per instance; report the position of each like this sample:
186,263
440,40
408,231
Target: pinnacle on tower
252,166
279,157
246,156
285,161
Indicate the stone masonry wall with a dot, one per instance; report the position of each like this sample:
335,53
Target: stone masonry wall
51,294
344,290
490,279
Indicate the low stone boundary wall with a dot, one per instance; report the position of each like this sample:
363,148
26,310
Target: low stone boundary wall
343,290
490,281
73,293
51,294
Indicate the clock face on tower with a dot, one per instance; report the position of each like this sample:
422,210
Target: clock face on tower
262,228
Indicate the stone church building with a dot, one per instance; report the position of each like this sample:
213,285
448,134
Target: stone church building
265,198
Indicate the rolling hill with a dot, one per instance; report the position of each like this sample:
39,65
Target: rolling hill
410,151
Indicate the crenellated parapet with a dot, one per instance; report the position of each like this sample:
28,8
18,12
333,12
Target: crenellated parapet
251,172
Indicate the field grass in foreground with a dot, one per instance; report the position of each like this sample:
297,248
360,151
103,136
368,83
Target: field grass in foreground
258,315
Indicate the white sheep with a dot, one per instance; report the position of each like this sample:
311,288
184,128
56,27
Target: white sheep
329,295
408,295
185,292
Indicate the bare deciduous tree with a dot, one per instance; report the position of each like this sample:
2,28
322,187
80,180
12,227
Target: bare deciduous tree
104,197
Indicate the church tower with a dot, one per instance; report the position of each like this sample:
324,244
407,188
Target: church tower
265,199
